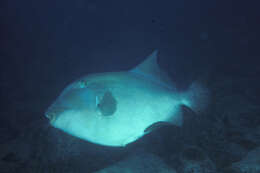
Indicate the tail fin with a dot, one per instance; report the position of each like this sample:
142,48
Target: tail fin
197,97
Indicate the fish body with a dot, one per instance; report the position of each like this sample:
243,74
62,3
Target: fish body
117,108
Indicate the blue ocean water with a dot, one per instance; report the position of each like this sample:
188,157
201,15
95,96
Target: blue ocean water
46,45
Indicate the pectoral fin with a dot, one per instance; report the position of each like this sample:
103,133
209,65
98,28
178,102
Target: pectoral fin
156,125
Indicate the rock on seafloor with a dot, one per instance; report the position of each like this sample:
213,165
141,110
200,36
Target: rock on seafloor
139,163
193,160
249,164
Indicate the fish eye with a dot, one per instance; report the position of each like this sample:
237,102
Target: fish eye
82,83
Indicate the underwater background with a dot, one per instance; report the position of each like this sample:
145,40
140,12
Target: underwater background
45,45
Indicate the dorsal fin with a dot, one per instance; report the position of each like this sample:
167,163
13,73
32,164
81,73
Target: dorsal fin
149,68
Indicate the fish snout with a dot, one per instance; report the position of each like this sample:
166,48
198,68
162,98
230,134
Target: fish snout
52,113
49,115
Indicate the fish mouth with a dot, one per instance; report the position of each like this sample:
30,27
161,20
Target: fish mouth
51,116
53,113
